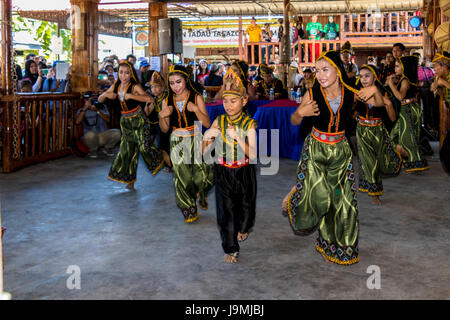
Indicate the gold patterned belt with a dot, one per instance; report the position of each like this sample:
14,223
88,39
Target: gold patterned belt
233,164
407,101
327,137
370,122
131,113
185,132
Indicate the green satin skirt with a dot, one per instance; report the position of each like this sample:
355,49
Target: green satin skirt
192,180
325,199
133,143
406,133
377,157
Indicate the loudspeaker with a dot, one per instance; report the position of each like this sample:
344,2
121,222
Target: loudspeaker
170,36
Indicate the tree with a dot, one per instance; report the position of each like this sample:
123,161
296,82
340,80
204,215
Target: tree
43,32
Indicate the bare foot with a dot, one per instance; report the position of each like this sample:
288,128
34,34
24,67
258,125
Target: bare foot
242,236
130,186
230,258
167,170
376,200
402,151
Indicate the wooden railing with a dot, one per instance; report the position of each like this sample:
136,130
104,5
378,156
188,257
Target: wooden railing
41,127
261,52
361,30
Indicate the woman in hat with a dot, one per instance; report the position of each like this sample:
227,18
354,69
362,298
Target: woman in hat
181,111
234,136
324,197
377,155
269,82
406,132
132,99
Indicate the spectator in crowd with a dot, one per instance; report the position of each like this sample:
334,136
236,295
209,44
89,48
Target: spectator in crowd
389,68
253,74
131,59
144,66
169,62
25,85
103,81
94,117
269,82
254,33
226,67
398,50
314,30
214,79
426,75
109,69
349,66
307,82
331,29
280,29
266,37
51,84
30,56
33,74
294,77
202,71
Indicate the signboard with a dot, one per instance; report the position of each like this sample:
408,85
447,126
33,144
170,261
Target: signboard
216,37
142,38
155,63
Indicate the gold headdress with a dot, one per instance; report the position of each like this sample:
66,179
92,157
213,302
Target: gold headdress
443,57
265,69
157,79
233,84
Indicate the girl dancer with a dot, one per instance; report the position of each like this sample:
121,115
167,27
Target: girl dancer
180,110
324,197
406,132
132,99
376,153
152,130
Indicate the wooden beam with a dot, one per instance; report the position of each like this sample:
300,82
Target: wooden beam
156,11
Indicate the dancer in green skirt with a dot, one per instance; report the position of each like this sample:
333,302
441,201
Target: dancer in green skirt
324,197
377,155
406,132
181,110
132,99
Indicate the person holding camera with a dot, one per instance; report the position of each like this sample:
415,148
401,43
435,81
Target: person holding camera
94,117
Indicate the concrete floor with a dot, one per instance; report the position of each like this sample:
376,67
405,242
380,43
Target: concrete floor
135,244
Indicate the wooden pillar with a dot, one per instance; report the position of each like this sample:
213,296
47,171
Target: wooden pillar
7,47
286,49
156,11
85,44
241,53
7,84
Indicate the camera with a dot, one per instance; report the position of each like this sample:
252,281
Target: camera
92,96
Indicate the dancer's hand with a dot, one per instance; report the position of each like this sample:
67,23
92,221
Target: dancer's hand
231,132
166,111
366,93
192,107
211,134
308,109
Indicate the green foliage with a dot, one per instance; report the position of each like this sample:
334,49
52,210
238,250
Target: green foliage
43,32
